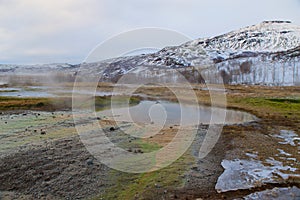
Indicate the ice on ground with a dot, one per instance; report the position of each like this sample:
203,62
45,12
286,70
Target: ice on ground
276,194
246,174
288,137
282,152
251,155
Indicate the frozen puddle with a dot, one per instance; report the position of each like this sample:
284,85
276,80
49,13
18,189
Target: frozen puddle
288,137
276,194
246,174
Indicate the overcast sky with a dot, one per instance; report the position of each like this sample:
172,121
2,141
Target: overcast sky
51,31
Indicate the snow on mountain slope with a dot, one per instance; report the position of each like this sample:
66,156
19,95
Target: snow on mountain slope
268,36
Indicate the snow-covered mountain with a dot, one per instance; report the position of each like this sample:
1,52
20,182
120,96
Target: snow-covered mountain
266,53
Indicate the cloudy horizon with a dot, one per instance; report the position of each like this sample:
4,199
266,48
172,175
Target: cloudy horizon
65,31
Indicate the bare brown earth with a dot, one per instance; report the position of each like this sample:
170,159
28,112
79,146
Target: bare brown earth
59,167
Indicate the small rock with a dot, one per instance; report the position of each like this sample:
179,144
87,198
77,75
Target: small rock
90,162
140,151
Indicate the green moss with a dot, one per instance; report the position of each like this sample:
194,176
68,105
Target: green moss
145,146
285,100
128,186
103,103
282,107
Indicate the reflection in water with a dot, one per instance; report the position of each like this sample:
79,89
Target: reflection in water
166,113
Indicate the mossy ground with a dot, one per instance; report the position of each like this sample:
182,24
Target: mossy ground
148,185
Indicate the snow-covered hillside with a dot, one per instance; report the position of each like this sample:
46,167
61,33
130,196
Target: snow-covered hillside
268,36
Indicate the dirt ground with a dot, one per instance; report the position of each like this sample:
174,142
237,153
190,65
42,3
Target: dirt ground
62,168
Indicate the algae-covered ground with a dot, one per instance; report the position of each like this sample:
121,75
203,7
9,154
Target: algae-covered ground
42,156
